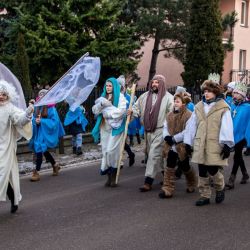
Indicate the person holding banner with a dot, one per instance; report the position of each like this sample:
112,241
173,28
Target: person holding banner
47,129
110,110
152,108
13,122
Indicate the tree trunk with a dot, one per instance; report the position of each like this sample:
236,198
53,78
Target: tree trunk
155,53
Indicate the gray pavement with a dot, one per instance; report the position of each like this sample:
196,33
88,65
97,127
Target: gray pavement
75,211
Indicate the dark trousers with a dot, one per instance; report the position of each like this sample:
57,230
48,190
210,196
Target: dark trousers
10,194
173,159
238,158
39,159
204,170
127,149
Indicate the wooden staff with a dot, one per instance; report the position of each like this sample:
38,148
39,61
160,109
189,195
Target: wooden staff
125,132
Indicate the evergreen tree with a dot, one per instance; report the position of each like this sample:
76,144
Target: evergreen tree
204,53
58,32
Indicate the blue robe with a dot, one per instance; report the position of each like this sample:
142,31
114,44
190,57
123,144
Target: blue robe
47,133
229,100
190,106
241,122
76,121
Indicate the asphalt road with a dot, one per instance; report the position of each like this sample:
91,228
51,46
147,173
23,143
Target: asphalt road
75,211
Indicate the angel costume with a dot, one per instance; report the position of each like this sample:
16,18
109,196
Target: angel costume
13,123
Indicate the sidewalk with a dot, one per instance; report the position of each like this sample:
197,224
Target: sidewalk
91,153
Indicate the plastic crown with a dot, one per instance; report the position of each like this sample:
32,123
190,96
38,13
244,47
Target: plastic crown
214,77
241,86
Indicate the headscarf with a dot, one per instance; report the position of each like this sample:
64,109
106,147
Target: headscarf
152,112
115,95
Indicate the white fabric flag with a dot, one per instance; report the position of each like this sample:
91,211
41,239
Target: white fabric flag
76,85
8,76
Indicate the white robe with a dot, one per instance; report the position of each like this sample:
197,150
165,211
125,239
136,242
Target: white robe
13,122
154,140
110,144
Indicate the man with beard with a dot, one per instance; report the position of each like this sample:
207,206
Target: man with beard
152,108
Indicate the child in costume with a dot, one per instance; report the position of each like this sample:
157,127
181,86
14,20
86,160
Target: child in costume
240,111
13,122
111,111
175,150
210,132
47,129
77,122
229,93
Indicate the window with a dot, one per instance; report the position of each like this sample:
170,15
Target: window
243,56
244,13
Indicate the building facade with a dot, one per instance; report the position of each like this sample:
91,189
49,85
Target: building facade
236,63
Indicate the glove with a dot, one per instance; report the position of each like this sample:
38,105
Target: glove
29,111
169,140
225,153
188,149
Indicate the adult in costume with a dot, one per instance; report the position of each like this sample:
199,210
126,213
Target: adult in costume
13,123
175,150
240,111
110,110
152,108
47,129
210,132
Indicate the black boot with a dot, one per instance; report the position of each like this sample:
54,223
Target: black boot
79,151
138,138
131,159
244,179
202,201
230,184
108,182
11,196
220,196
74,150
113,178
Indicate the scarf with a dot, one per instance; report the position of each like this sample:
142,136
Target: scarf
152,111
115,96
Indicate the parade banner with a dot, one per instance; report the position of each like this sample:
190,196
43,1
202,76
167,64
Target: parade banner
75,85
8,76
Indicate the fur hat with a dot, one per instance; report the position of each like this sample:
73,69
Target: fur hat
184,98
231,85
212,86
42,92
240,88
121,80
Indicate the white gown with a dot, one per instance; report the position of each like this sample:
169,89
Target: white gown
110,144
13,122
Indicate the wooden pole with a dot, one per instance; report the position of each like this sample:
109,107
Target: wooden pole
125,132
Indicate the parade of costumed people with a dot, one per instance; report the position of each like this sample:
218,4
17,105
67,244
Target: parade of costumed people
174,149
14,122
47,129
122,81
210,132
76,122
240,110
152,107
110,110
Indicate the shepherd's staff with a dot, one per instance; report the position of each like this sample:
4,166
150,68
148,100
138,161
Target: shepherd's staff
125,132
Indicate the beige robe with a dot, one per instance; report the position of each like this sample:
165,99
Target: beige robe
154,141
13,122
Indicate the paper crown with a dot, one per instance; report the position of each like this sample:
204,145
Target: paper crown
214,77
241,88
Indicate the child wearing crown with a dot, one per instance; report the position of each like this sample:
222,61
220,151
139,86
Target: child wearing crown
210,132
240,110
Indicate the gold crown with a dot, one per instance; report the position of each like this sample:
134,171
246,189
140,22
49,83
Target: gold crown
214,77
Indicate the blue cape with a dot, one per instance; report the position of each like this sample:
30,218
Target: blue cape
76,116
47,134
116,94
